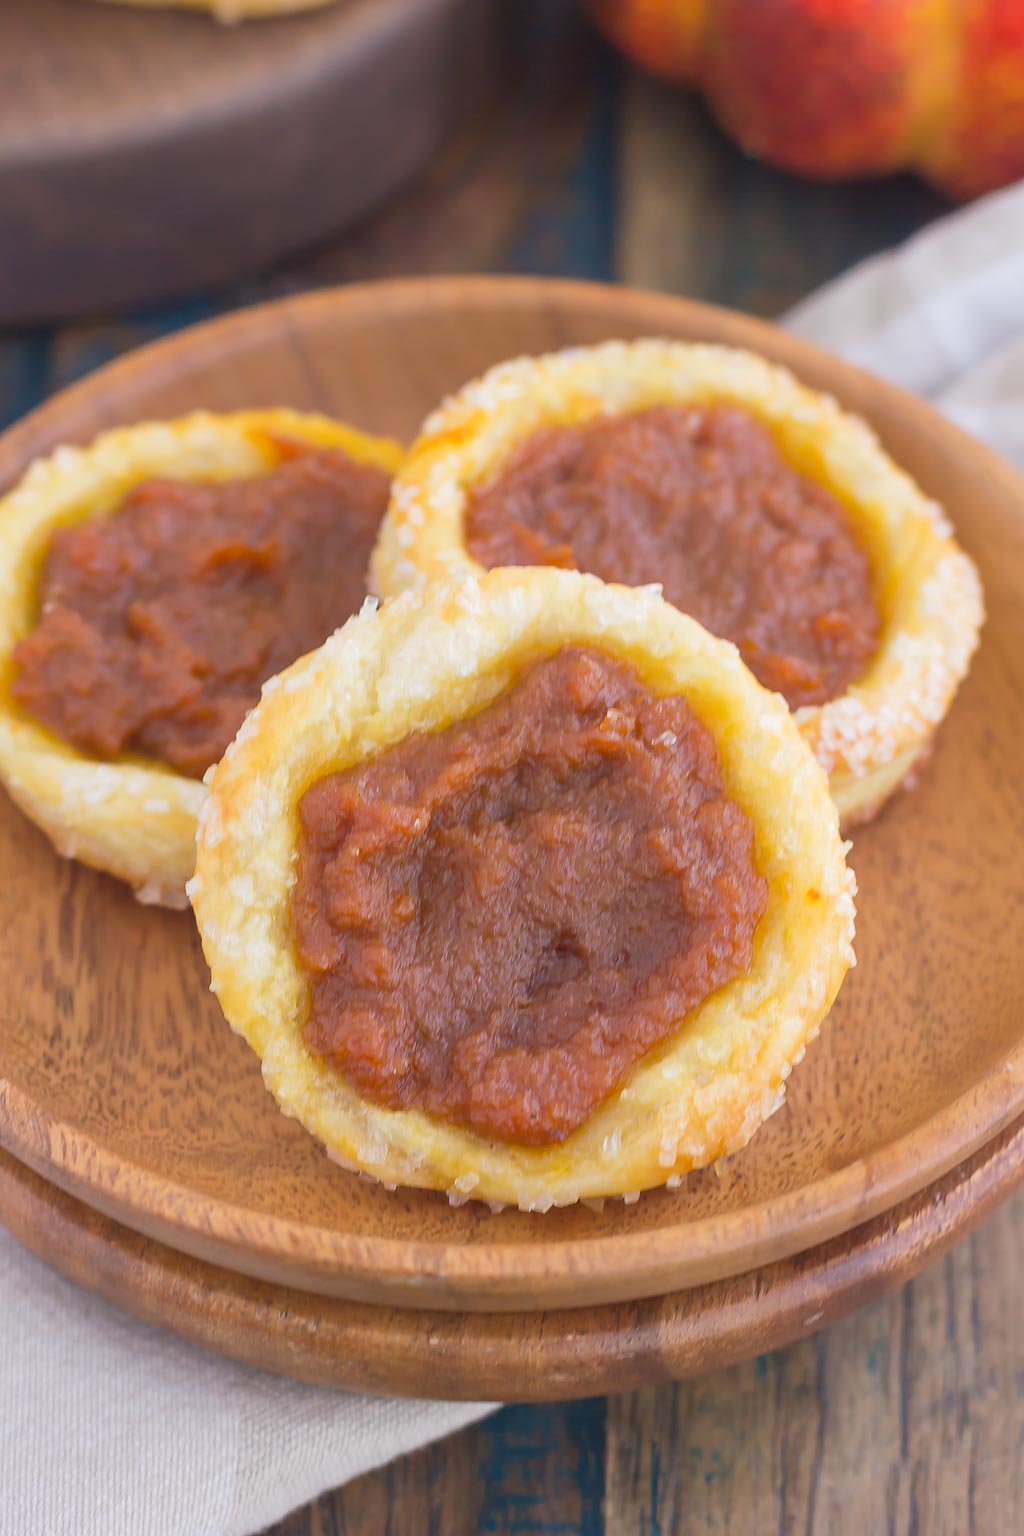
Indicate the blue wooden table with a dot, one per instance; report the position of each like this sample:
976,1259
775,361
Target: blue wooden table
907,1417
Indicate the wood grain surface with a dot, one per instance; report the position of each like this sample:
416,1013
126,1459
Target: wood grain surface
908,1416
119,1080
524,1356
144,155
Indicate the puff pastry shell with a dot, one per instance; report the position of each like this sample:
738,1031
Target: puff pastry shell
418,664
868,739
132,817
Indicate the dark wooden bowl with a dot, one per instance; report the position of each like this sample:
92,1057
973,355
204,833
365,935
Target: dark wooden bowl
120,1082
148,154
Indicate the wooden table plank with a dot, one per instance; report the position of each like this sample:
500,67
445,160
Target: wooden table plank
824,1436
906,1417
438,1490
24,374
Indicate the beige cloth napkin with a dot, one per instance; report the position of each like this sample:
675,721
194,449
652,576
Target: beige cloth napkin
942,316
111,1428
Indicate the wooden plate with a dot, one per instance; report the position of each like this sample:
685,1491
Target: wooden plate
150,154
524,1356
120,1082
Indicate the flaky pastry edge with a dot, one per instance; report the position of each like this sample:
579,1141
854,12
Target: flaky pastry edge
421,662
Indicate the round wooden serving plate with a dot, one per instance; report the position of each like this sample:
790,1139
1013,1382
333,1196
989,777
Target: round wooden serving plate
529,1356
120,1082
145,154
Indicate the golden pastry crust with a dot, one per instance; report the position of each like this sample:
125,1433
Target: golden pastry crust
131,817
869,739
420,663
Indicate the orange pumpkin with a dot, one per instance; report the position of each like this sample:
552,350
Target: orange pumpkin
837,88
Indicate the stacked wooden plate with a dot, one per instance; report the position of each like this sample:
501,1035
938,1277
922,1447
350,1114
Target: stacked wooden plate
144,1158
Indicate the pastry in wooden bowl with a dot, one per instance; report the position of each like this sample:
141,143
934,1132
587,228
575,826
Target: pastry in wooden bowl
524,889
760,507
150,584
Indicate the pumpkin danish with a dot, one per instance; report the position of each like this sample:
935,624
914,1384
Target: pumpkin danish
760,507
523,888
152,582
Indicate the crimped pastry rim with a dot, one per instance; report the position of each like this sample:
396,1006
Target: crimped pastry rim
869,738
471,1260
133,819
421,662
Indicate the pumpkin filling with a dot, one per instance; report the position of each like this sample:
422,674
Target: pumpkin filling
700,500
159,624
497,920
